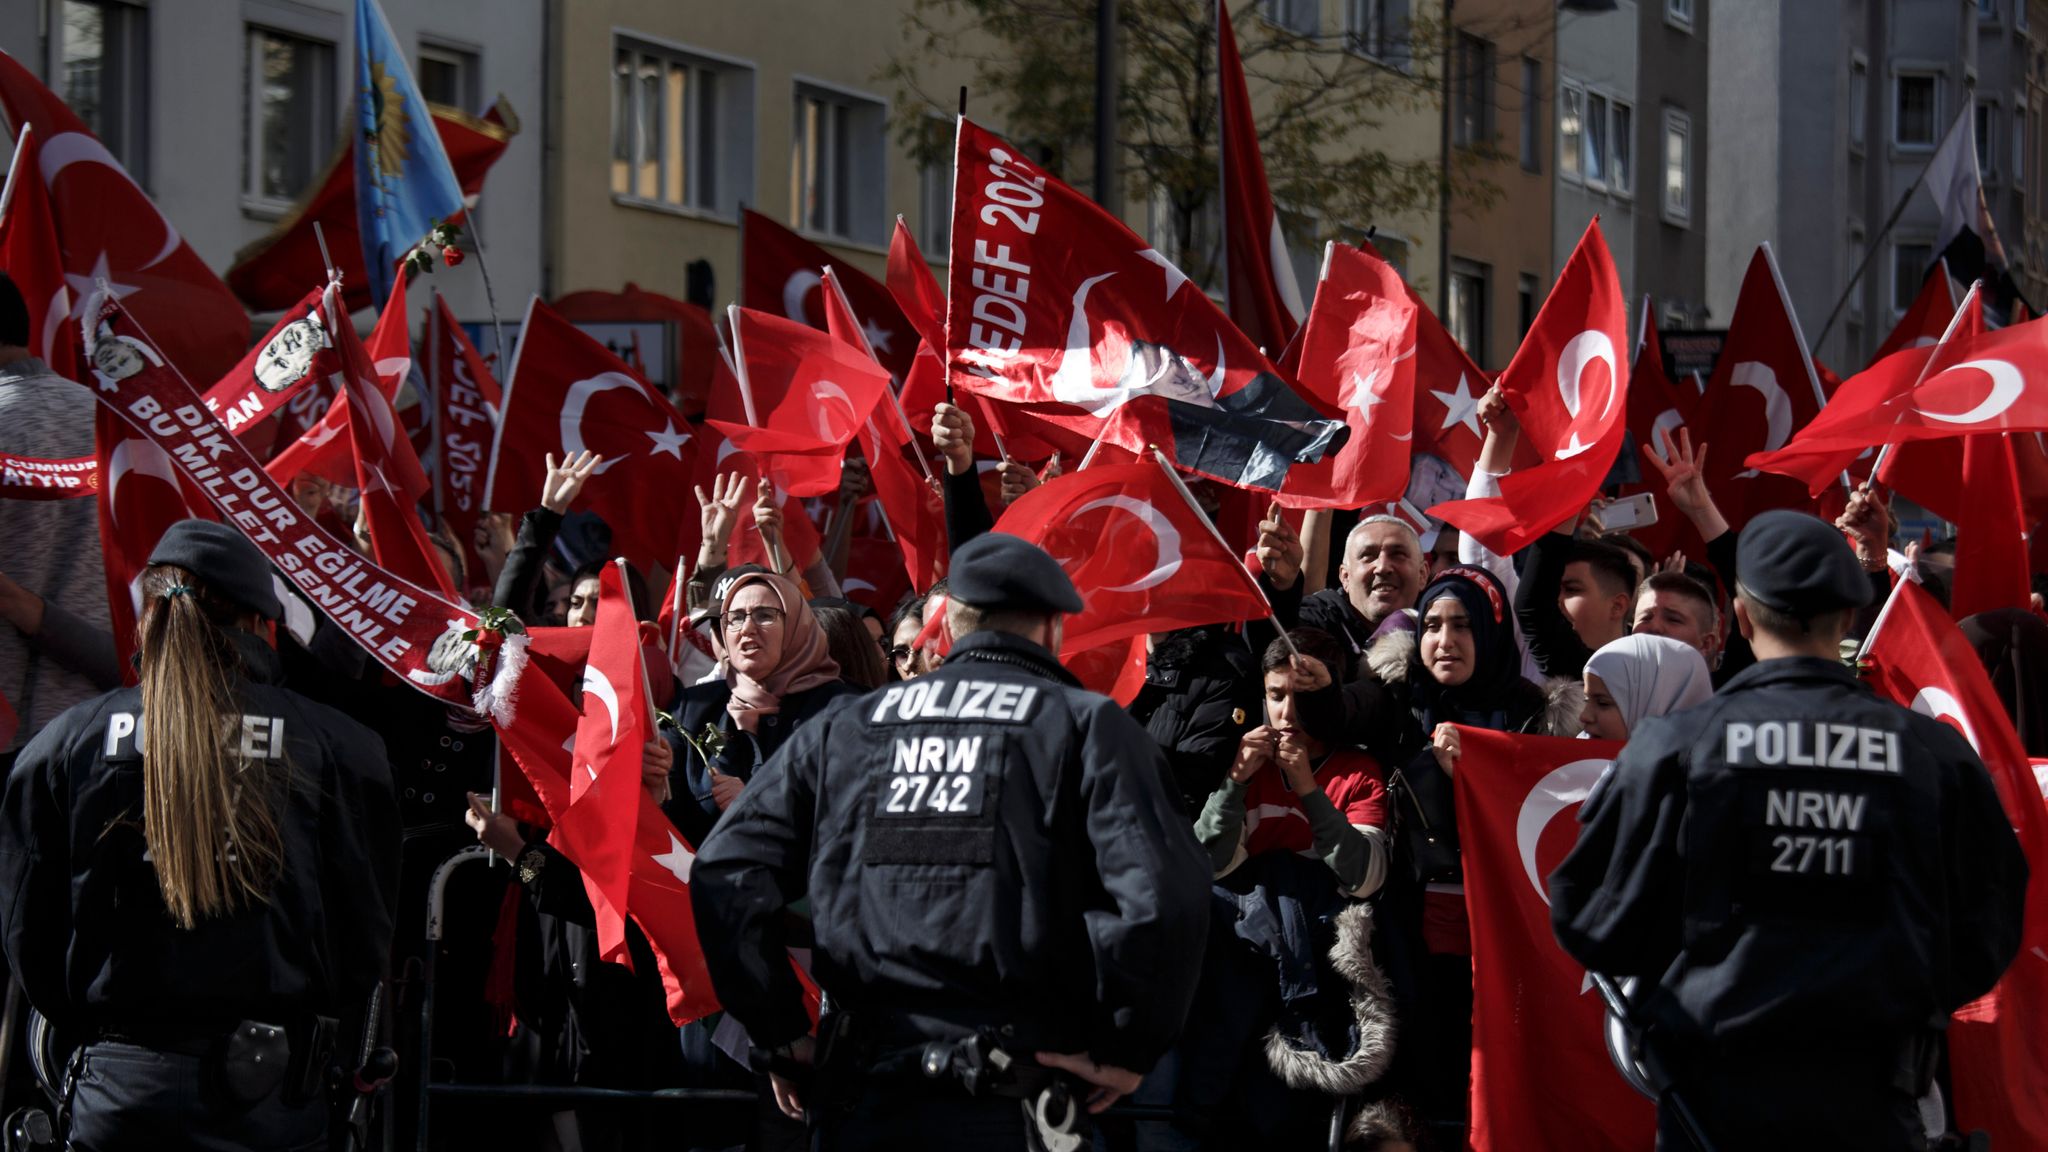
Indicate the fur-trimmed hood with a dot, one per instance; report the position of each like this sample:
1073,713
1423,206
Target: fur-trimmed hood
1396,659
1371,1006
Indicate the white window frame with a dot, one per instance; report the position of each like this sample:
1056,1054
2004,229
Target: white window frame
1301,17
1679,14
468,63
729,182
1622,184
1680,121
1378,30
255,201
1859,102
1937,124
864,197
934,229
1986,112
1575,171
129,84
1604,120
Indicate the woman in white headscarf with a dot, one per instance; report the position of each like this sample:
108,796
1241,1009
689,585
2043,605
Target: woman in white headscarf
1640,676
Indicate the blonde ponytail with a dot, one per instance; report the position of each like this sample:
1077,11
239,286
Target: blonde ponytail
206,813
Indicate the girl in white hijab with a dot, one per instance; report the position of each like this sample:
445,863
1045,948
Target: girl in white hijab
1640,676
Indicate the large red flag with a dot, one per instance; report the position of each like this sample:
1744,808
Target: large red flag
1991,534
268,273
1358,362
30,254
698,347
915,289
1762,392
467,402
1569,386
1998,1051
1056,305
108,228
1656,405
801,396
1541,1077
140,495
605,789
1927,319
1265,301
781,274
567,393
1141,554
1448,388
321,448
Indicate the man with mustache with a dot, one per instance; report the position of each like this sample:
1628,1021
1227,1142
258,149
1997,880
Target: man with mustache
1383,571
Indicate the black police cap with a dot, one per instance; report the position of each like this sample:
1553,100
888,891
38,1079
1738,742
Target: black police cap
224,559
996,570
1800,565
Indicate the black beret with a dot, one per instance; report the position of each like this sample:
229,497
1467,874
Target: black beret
225,560
1800,565
996,570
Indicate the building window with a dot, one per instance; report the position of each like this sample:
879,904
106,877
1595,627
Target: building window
2022,143
1621,165
935,188
1853,251
682,129
105,78
1987,11
1532,114
1859,102
1301,17
1678,13
1987,141
1193,244
1525,305
1571,129
2019,14
1472,116
1916,110
449,76
1379,29
1595,161
1677,167
1467,321
1909,268
290,115
837,148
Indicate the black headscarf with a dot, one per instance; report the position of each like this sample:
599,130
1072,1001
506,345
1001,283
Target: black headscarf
1495,695
2013,644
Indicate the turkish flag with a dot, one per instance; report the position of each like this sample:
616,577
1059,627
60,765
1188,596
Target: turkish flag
717,456
141,494
539,738
698,348
799,398
875,575
782,274
1265,301
1137,549
322,449
1448,388
1357,363
1569,386
1929,316
1991,382
1991,532
567,393
30,254
268,273
1541,1076
605,792
1656,405
467,400
1998,1051
915,289
107,228
1763,391
1056,305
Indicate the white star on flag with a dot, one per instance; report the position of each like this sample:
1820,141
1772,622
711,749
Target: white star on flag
878,336
1460,407
82,286
669,440
678,859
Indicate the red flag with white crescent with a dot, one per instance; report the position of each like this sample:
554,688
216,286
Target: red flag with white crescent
140,496
782,275
322,449
109,229
1541,1076
1568,384
30,253
1915,656
800,397
1358,362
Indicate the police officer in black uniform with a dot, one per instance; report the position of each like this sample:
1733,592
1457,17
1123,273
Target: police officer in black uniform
196,874
1009,909
1807,880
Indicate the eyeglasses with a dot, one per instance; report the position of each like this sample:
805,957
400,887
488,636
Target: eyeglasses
763,618
902,653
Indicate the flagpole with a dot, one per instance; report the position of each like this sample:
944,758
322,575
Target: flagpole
1002,449
1820,398
326,259
1884,454
434,413
1898,210
646,682
776,557
490,297
13,172
1181,487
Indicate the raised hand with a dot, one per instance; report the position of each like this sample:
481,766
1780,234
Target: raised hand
564,481
1685,480
1279,549
953,436
1867,522
1017,480
720,514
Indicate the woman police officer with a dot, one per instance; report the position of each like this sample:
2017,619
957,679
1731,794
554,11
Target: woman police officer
196,874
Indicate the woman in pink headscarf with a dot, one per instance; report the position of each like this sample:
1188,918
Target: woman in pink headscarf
777,672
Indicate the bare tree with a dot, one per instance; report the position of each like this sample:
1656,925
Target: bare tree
1322,101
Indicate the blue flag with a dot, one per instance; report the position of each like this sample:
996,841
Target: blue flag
404,183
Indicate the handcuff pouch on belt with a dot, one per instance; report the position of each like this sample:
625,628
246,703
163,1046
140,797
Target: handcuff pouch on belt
1055,1120
257,1060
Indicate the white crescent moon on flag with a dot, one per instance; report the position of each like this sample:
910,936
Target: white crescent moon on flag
827,390
1074,380
596,683
572,410
67,148
1163,531
1777,405
1938,704
137,456
794,290
2006,386
1584,349
1668,422
1283,273
1562,788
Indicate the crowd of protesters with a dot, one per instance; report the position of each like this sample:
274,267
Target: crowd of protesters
1314,768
